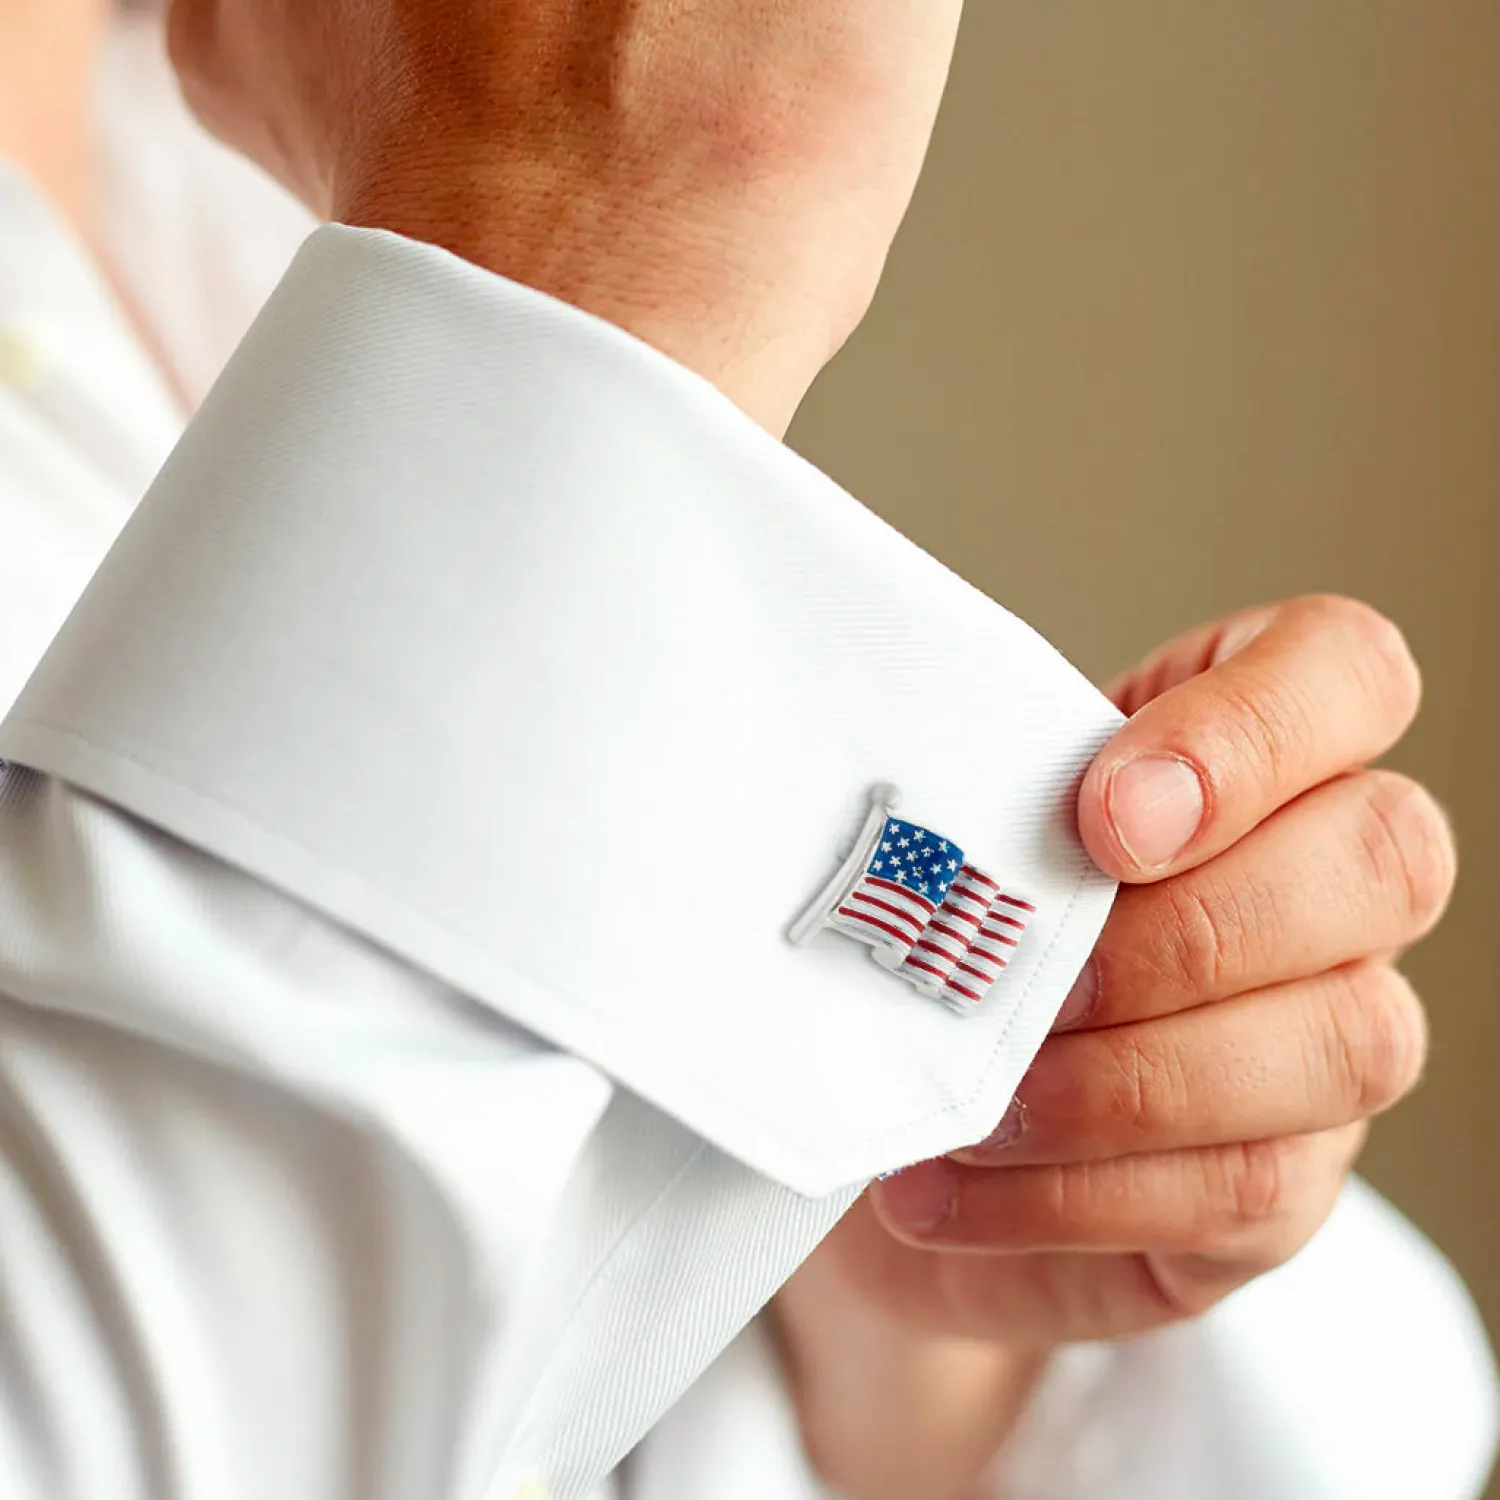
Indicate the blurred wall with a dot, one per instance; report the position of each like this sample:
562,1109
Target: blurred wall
1199,304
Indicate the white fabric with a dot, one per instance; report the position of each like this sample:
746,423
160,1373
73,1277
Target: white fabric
513,645
1351,1372
1343,1375
283,1217
291,1205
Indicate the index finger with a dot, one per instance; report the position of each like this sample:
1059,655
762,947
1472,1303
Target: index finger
1328,684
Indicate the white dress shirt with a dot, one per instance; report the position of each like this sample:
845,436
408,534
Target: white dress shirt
409,1088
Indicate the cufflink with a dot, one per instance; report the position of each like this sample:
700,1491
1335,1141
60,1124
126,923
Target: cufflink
924,911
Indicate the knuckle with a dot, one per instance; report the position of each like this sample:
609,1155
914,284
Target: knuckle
1269,729
1069,1205
1381,655
1408,846
1378,1038
1395,676
1262,1179
1146,1089
1182,1287
1260,1203
1196,936
1283,1191
1193,940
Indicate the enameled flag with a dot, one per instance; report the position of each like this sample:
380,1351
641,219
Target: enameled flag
925,911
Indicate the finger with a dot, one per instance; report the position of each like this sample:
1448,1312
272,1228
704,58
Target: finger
1186,657
1361,866
1045,1298
1305,1056
1326,685
1024,1301
1238,1202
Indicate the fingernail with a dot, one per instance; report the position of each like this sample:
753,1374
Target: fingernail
1156,804
1082,998
1011,1128
921,1198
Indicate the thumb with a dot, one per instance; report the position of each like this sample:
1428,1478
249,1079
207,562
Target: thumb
1283,699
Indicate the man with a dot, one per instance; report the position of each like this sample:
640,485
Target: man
409,1086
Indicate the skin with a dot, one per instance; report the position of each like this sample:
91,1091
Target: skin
724,181
1192,1127
48,49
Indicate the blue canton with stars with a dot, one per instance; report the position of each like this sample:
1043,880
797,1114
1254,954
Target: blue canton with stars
917,858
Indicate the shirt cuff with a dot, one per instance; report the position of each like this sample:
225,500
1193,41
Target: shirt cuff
494,634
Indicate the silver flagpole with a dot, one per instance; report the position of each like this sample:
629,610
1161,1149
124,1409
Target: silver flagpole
884,800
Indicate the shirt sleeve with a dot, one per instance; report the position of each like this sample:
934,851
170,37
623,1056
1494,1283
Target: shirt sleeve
409,1084
489,631
280,1214
1358,1371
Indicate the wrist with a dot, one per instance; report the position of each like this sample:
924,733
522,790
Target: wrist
722,179
704,283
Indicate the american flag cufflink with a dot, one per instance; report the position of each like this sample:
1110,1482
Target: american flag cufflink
923,910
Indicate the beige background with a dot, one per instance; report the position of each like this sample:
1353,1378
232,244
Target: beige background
1199,304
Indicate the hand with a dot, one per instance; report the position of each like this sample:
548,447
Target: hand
1190,1123
722,179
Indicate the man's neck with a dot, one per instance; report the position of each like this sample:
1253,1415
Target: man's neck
48,53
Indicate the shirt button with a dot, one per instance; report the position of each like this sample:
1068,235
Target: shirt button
20,360
530,1489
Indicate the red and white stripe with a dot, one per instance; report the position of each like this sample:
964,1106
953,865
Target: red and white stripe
957,949
884,914
969,939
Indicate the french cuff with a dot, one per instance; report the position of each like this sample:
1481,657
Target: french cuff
494,634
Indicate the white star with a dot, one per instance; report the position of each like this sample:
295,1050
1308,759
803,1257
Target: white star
923,887
952,864
935,868
879,864
905,842
885,848
900,877
918,835
943,845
